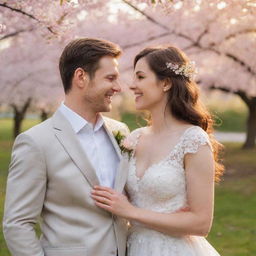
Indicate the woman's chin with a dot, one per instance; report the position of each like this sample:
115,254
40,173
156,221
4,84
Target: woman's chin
140,107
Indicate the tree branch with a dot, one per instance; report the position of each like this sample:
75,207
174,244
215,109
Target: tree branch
233,35
151,38
19,11
247,99
26,14
196,43
24,107
233,57
146,15
16,33
236,59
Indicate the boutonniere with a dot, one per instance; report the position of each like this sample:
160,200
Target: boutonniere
122,143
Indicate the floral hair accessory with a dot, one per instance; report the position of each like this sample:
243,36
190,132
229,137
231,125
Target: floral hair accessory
188,70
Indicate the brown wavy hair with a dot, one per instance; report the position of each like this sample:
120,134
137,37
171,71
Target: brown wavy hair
183,97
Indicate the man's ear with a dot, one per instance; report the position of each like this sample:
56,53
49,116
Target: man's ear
167,85
81,77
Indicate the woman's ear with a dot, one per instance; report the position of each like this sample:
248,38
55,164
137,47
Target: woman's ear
167,85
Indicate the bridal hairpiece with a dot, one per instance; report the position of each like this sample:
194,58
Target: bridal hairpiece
188,70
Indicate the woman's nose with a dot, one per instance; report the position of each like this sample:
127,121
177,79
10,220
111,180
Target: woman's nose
132,86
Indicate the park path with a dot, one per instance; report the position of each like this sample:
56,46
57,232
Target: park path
230,136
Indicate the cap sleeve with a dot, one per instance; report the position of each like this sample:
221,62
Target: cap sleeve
195,138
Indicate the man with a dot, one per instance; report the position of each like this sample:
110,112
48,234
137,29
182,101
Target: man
56,164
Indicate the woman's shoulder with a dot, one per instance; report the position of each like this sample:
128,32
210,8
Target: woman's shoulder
138,131
194,137
196,130
132,139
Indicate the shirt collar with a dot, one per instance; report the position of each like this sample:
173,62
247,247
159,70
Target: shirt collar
77,122
99,122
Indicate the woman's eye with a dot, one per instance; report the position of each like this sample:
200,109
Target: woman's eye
140,77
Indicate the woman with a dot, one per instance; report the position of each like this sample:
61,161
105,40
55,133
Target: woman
173,165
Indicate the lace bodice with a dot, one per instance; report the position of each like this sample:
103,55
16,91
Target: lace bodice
162,188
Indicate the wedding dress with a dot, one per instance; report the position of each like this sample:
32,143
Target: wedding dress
162,188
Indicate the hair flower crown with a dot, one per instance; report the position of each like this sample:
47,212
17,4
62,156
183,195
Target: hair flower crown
188,70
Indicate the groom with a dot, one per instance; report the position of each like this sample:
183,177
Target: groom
55,164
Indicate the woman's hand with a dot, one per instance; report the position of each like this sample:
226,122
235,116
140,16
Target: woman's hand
112,201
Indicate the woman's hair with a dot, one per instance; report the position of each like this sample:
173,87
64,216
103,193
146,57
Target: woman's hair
183,97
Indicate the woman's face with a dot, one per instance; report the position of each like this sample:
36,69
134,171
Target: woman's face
147,88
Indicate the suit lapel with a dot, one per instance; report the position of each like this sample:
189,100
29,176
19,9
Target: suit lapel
109,132
121,176
122,166
71,145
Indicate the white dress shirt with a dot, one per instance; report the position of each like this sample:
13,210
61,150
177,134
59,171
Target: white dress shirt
96,144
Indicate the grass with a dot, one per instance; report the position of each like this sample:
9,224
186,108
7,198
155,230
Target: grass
239,162
5,153
230,120
133,121
233,232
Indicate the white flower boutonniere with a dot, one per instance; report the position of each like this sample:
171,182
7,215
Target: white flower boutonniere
123,144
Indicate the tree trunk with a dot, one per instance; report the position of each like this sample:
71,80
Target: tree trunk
44,115
17,123
19,115
250,102
251,127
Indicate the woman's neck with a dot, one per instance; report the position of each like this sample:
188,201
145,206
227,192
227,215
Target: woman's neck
163,121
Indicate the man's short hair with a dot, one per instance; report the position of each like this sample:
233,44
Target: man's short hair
84,53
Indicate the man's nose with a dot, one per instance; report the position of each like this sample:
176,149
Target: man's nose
116,86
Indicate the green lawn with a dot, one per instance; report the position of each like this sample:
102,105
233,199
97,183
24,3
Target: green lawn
230,120
234,228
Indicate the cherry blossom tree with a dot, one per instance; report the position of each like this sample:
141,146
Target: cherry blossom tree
222,40
218,34
29,77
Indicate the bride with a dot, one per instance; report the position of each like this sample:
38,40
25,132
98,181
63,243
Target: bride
173,165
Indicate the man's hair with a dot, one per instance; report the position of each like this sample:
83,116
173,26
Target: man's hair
84,53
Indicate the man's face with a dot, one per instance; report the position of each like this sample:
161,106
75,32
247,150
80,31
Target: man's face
103,85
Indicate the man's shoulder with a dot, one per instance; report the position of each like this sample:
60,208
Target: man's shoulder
37,136
39,132
38,128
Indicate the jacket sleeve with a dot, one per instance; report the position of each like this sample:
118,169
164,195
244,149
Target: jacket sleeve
26,186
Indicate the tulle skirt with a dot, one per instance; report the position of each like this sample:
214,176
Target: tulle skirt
147,242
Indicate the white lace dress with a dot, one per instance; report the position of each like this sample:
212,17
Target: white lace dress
163,189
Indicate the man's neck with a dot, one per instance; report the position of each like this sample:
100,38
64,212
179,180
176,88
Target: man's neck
82,111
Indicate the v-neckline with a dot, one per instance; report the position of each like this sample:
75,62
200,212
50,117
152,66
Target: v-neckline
139,178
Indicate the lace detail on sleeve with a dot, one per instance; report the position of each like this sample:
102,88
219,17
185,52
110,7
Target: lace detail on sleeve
195,138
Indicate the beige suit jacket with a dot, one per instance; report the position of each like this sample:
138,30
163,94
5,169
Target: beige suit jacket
50,176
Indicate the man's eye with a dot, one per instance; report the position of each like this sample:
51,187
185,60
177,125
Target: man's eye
111,78
140,77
